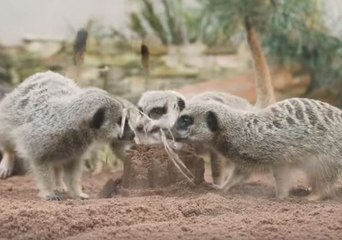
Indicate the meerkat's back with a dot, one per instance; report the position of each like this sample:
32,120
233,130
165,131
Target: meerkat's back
227,99
300,123
35,94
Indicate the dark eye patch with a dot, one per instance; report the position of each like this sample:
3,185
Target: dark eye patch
157,112
181,104
119,120
184,122
98,118
212,121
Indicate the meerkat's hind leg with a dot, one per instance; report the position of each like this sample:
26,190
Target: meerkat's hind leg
216,167
237,176
59,179
322,177
283,180
7,165
73,178
45,177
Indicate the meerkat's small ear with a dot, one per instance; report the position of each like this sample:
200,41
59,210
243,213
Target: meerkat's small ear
181,104
212,121
98,118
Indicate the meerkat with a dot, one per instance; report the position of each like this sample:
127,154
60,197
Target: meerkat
161,109
51,122
6,165
157,104
294,133
120,147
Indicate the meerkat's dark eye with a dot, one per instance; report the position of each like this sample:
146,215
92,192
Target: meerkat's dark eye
184,122
157,112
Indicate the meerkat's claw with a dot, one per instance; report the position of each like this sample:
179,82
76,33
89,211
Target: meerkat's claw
53,197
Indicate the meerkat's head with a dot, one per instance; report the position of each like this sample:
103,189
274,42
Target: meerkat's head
103,115
198,123
160,110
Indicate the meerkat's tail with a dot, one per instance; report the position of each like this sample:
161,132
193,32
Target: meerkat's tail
264,87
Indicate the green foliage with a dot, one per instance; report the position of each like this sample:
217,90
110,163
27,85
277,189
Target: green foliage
293,32
173,24
297,34
230,13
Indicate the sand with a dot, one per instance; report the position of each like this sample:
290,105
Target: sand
248,212
148,169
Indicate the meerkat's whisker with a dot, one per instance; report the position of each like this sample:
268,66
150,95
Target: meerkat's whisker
123,121
145,115
130,124
170,132
176,160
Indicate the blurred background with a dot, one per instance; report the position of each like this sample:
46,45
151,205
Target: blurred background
195,45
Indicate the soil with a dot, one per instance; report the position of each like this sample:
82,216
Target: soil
149,170
247,212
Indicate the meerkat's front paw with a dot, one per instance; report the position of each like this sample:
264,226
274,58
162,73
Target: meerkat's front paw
52,197
6,168
314,197
215,186
282,196
83,196
5,172
61,187
78,195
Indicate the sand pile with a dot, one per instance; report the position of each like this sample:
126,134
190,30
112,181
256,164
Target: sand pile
149,170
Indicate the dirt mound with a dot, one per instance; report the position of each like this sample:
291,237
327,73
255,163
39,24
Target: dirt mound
148,170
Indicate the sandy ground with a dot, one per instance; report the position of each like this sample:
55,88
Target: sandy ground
248,212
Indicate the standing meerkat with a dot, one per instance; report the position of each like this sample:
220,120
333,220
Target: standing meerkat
294,133
50,122
163,107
